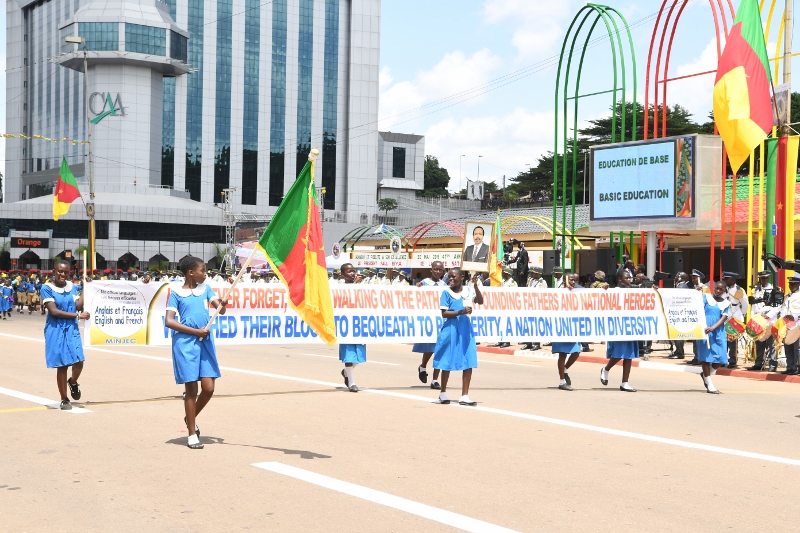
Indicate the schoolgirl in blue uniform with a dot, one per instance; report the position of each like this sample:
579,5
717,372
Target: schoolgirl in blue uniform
625,351
455,347
714,353
351,354
194,356
62,336
426,348
567,349
7,301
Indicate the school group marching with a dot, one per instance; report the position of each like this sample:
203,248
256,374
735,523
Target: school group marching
773,327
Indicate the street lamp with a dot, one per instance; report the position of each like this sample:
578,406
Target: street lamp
459,174
74,39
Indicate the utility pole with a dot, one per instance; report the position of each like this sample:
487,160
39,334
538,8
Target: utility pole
787,56
479,167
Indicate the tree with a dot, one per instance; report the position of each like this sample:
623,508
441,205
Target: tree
386,205
510,196
488,186
219,252
436,179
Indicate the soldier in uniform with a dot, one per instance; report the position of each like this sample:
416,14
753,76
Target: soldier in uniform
697,282
508,278
738,309
791,310
764,349
558,278
599,280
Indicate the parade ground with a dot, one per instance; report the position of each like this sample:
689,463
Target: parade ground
287,448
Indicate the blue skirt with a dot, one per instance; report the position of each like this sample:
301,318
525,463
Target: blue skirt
718,353
62,342
455,348
565,347
353,353
622,350
424,347
192,358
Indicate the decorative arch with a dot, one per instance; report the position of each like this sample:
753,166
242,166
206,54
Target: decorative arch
420,230
616,27
351,238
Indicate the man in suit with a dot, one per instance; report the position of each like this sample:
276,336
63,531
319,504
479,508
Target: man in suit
479,251
522,265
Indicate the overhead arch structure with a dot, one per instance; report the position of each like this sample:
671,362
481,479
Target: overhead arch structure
568,96
415,234
543,224
350,239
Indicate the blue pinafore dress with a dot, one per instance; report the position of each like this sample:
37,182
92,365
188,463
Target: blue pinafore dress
62,336
455,347
716,349
193,358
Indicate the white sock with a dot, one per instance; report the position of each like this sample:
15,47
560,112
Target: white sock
706,379
348,370
711,386
465,399
562,382
442,395
422,368
604,373
625,385
193,439
434,381
713,371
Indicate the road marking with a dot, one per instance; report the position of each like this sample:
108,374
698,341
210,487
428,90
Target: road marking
526,416
22,409
52,404
336,357
448,518
504,363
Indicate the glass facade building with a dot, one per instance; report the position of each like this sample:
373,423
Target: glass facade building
266,83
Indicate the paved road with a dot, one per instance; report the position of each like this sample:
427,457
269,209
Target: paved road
529,458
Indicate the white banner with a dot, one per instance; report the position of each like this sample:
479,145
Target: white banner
134,313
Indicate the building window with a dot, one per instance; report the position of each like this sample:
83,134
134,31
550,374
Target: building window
154,231
330,102
178,47
222,122
63,229
100,35
145,40
168,138
277,127
398,162
252,45
194,102
305,63
40,189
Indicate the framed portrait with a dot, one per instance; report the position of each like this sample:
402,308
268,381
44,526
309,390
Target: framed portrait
396,244
477,245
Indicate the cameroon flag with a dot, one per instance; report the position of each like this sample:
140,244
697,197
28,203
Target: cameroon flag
496,256
293,245
65,191
742,103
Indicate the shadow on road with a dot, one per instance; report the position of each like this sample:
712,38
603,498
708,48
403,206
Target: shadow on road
304,454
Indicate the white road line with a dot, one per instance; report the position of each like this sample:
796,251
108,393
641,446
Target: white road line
448,518
335,357
515,414
53,404
504,363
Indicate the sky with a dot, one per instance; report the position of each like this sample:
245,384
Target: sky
447,73
477,77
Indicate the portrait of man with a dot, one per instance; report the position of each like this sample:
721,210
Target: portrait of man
395,245
476,246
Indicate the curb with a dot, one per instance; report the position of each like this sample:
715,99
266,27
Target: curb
763,376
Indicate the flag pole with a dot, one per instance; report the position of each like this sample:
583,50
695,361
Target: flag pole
230,289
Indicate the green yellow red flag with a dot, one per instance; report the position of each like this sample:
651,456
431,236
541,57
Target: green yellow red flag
496,255
65,192
293,246
742,101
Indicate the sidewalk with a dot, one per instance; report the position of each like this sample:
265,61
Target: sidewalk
659,360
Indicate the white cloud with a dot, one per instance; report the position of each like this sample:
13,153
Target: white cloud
539,26
694,94
506,143
454,74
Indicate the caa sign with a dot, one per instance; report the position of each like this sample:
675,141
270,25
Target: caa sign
101,105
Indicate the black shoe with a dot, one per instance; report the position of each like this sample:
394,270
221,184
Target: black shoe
443,402
504,345
197,446
788,372
773,369
755,368
703,377
435,385
353,388
65,405
694,362
629,389
74,389
423,375
715,391
676,356
603,381
535,346
732,366
565,386
527,346
566,378
346,381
